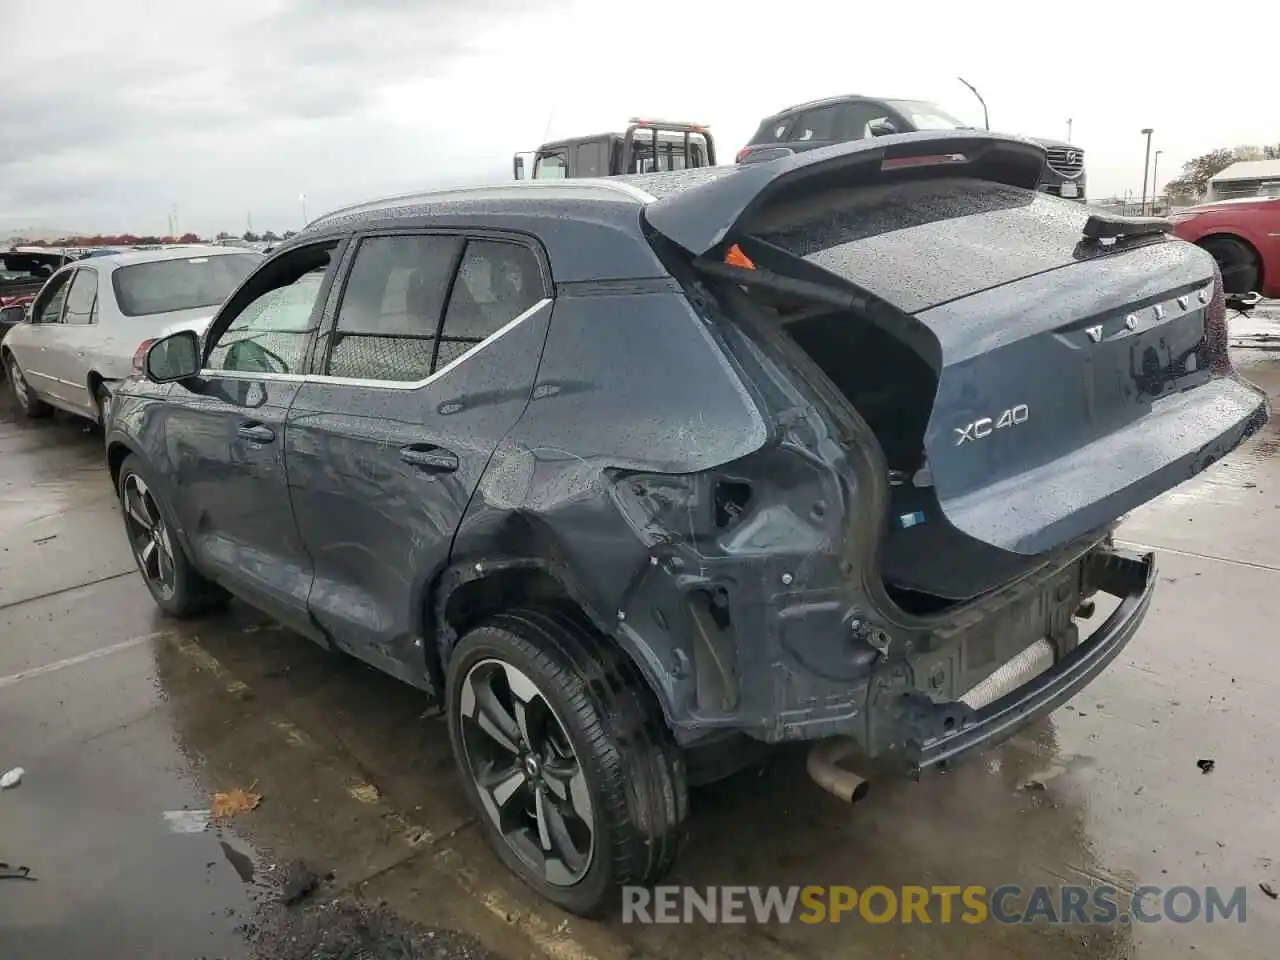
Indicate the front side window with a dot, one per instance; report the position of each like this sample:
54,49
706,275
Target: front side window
389,318
48,305
551,165
82,301
165,286
274,316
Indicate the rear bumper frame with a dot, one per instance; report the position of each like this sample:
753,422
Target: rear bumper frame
1129,576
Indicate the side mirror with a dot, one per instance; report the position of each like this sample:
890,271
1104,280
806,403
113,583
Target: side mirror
881,127
518,163
172,358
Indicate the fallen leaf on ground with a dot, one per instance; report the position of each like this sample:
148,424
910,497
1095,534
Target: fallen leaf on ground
235,801
365,793
1269,890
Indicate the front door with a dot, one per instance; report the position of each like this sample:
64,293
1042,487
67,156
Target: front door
227,457
429,363
37,348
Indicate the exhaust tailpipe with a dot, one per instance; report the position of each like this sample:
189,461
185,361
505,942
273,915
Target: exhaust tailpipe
824,769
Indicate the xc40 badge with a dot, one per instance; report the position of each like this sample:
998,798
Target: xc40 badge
985,426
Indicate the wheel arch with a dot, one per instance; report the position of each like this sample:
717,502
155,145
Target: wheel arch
467,593
94,380
117,452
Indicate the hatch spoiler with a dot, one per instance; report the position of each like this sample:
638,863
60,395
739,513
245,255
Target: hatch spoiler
700,217
1104,227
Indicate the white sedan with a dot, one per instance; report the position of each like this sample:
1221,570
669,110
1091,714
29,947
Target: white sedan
89,319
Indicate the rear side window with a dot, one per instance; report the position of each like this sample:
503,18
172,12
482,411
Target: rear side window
389,318
413,305
496,283
165,286
82,301
820,124
591,159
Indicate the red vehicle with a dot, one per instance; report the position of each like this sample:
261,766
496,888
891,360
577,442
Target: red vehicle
1243,235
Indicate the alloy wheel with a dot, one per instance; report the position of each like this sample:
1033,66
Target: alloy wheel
527,774
148,535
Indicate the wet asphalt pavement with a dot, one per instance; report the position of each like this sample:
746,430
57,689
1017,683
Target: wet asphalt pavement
127,724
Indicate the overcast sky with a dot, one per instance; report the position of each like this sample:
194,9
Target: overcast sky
113,113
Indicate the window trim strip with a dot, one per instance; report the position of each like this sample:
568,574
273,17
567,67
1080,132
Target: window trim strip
382,384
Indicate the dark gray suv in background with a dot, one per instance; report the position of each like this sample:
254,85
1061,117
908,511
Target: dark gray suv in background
635,473
820,123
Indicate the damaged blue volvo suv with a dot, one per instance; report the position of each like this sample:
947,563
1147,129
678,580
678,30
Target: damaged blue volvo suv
634,474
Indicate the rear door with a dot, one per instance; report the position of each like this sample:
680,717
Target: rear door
67,355
429,361
225,435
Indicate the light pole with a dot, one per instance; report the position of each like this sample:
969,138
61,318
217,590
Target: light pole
1146,167
1068,129
1155,181
302,197
986,121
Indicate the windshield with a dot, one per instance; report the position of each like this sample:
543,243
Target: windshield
165,286
927,116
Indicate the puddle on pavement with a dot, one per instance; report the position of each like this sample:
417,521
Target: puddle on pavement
242,863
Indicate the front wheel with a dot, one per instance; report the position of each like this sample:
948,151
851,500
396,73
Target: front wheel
175,584
32,406
565,757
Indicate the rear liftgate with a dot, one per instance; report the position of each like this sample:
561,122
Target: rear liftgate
1048,371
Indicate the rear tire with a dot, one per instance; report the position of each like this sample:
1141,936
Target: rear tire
32,407
566,758
1237,262
176,586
